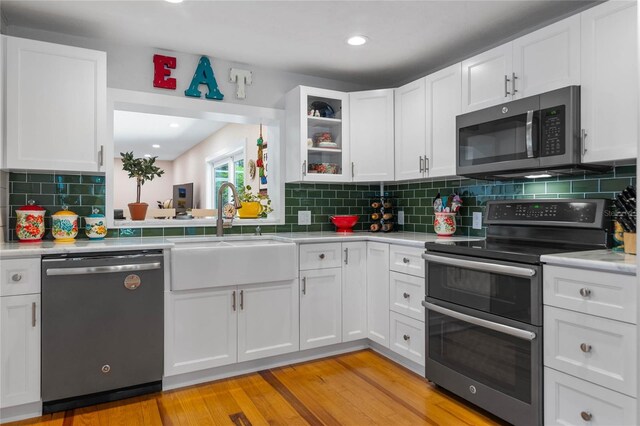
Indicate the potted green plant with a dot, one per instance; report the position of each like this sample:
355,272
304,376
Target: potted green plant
142,169
253,205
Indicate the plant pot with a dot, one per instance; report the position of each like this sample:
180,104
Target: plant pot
138,211
250,210
445,224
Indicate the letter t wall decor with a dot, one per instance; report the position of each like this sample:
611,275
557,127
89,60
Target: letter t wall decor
204,75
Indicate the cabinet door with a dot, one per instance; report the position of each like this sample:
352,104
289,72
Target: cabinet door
407,337
56,106
609,90
372,135
444,102
320,308
547,59
201,330
20,349
486,79
354,291
410,130
378,293
268,319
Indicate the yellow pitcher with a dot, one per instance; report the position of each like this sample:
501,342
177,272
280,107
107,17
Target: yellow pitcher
250,210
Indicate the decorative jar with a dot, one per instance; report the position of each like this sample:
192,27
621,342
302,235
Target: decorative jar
30,222
95,225
65,225
445,224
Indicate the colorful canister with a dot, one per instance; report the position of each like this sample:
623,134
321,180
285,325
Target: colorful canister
30,222
65,225
95,225
445,224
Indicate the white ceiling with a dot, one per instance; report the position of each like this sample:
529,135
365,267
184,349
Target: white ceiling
137,132
407,38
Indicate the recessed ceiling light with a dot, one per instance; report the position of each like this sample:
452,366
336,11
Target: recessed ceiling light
148,155
155,145
173,1
540,176
357,40
174,125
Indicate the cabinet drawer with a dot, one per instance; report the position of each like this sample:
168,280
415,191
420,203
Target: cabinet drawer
567,399
604,294
407,337
407,260
319,256
405,294
599,350
20,276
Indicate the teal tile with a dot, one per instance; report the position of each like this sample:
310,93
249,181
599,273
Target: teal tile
194,230
67,178
38,177
25,188
625,171
92,200
589,185
80,189
113,233
129,232
92,179
558,187
152,232
209,230
41,200
173,232
615,185
17,177
54,188
17,199
99,190
69,200
534,188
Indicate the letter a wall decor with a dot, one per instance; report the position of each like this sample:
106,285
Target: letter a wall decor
204,75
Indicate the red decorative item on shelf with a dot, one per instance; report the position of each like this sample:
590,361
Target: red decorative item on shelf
30,222
344,223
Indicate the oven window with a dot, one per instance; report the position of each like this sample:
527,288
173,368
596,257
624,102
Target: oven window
496,141
504,295
497,360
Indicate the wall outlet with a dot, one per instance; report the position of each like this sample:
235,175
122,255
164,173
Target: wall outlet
304,217
477,220
401,217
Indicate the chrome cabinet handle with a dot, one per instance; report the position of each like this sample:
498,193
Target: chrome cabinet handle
405,260
585,292
481,266
346,256
513,83
506,84
321,256
353,165
233,303
101,155
304,168
304,285
586,416
406,295
583,140
241,300
584,347
16,277
104,269
421,165
529,134
406,337
426,164
33,314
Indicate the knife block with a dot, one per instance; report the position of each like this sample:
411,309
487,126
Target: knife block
630,242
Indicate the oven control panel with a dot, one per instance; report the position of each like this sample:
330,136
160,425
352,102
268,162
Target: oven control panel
553,131
545,211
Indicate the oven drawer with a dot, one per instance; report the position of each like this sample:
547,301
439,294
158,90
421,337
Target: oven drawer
320,256
603,294
406,293
599,350
407,260
19,276
407,337
571,401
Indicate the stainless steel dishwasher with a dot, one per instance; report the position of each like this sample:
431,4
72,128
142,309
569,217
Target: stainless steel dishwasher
102,327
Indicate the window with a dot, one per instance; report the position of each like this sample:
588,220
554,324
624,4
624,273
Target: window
227,169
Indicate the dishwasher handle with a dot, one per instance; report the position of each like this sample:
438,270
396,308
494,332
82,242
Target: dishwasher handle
104,269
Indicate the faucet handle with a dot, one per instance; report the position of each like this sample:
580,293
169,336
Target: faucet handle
258,230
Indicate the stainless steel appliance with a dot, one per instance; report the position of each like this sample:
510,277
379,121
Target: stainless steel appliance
102,327
534,135
484,301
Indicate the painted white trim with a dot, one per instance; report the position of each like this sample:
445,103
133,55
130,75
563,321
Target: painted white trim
21,412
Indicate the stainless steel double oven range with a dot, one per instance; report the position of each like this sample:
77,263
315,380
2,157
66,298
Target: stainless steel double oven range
483,301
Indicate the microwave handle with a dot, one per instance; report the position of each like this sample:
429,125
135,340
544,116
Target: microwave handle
481,266
529,134
500,328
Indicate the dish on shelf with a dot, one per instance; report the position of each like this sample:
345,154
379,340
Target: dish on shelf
324,168
321,109
327,145
323,137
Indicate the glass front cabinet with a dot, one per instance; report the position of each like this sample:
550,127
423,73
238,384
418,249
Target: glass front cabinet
317,135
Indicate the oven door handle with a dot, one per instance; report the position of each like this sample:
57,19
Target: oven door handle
481,266
501,328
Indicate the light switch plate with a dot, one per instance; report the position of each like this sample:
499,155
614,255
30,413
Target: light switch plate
304,217
401,217
477,220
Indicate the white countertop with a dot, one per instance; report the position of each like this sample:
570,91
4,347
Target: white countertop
16,249
602,260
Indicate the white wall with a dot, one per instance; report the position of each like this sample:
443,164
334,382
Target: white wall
192,165
159,189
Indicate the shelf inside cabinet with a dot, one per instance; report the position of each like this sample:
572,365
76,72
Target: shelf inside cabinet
331,150
323,122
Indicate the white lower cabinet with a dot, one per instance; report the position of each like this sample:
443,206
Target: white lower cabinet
378,292
569,400
214,327
407,337
19,349
354,291
320,307
406,293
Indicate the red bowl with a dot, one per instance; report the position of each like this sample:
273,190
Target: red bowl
344,223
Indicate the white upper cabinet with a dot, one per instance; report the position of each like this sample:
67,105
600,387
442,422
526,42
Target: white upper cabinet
547,59
372,135
55,106
609,93
486,79
443,104
410,130
317,135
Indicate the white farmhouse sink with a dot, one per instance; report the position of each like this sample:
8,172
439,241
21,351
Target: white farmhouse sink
212,262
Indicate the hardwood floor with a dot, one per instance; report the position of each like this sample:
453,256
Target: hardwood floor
359,388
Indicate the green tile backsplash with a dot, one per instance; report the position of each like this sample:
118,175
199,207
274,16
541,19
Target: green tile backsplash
82,192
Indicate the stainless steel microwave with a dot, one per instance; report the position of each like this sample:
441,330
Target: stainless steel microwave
538,135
